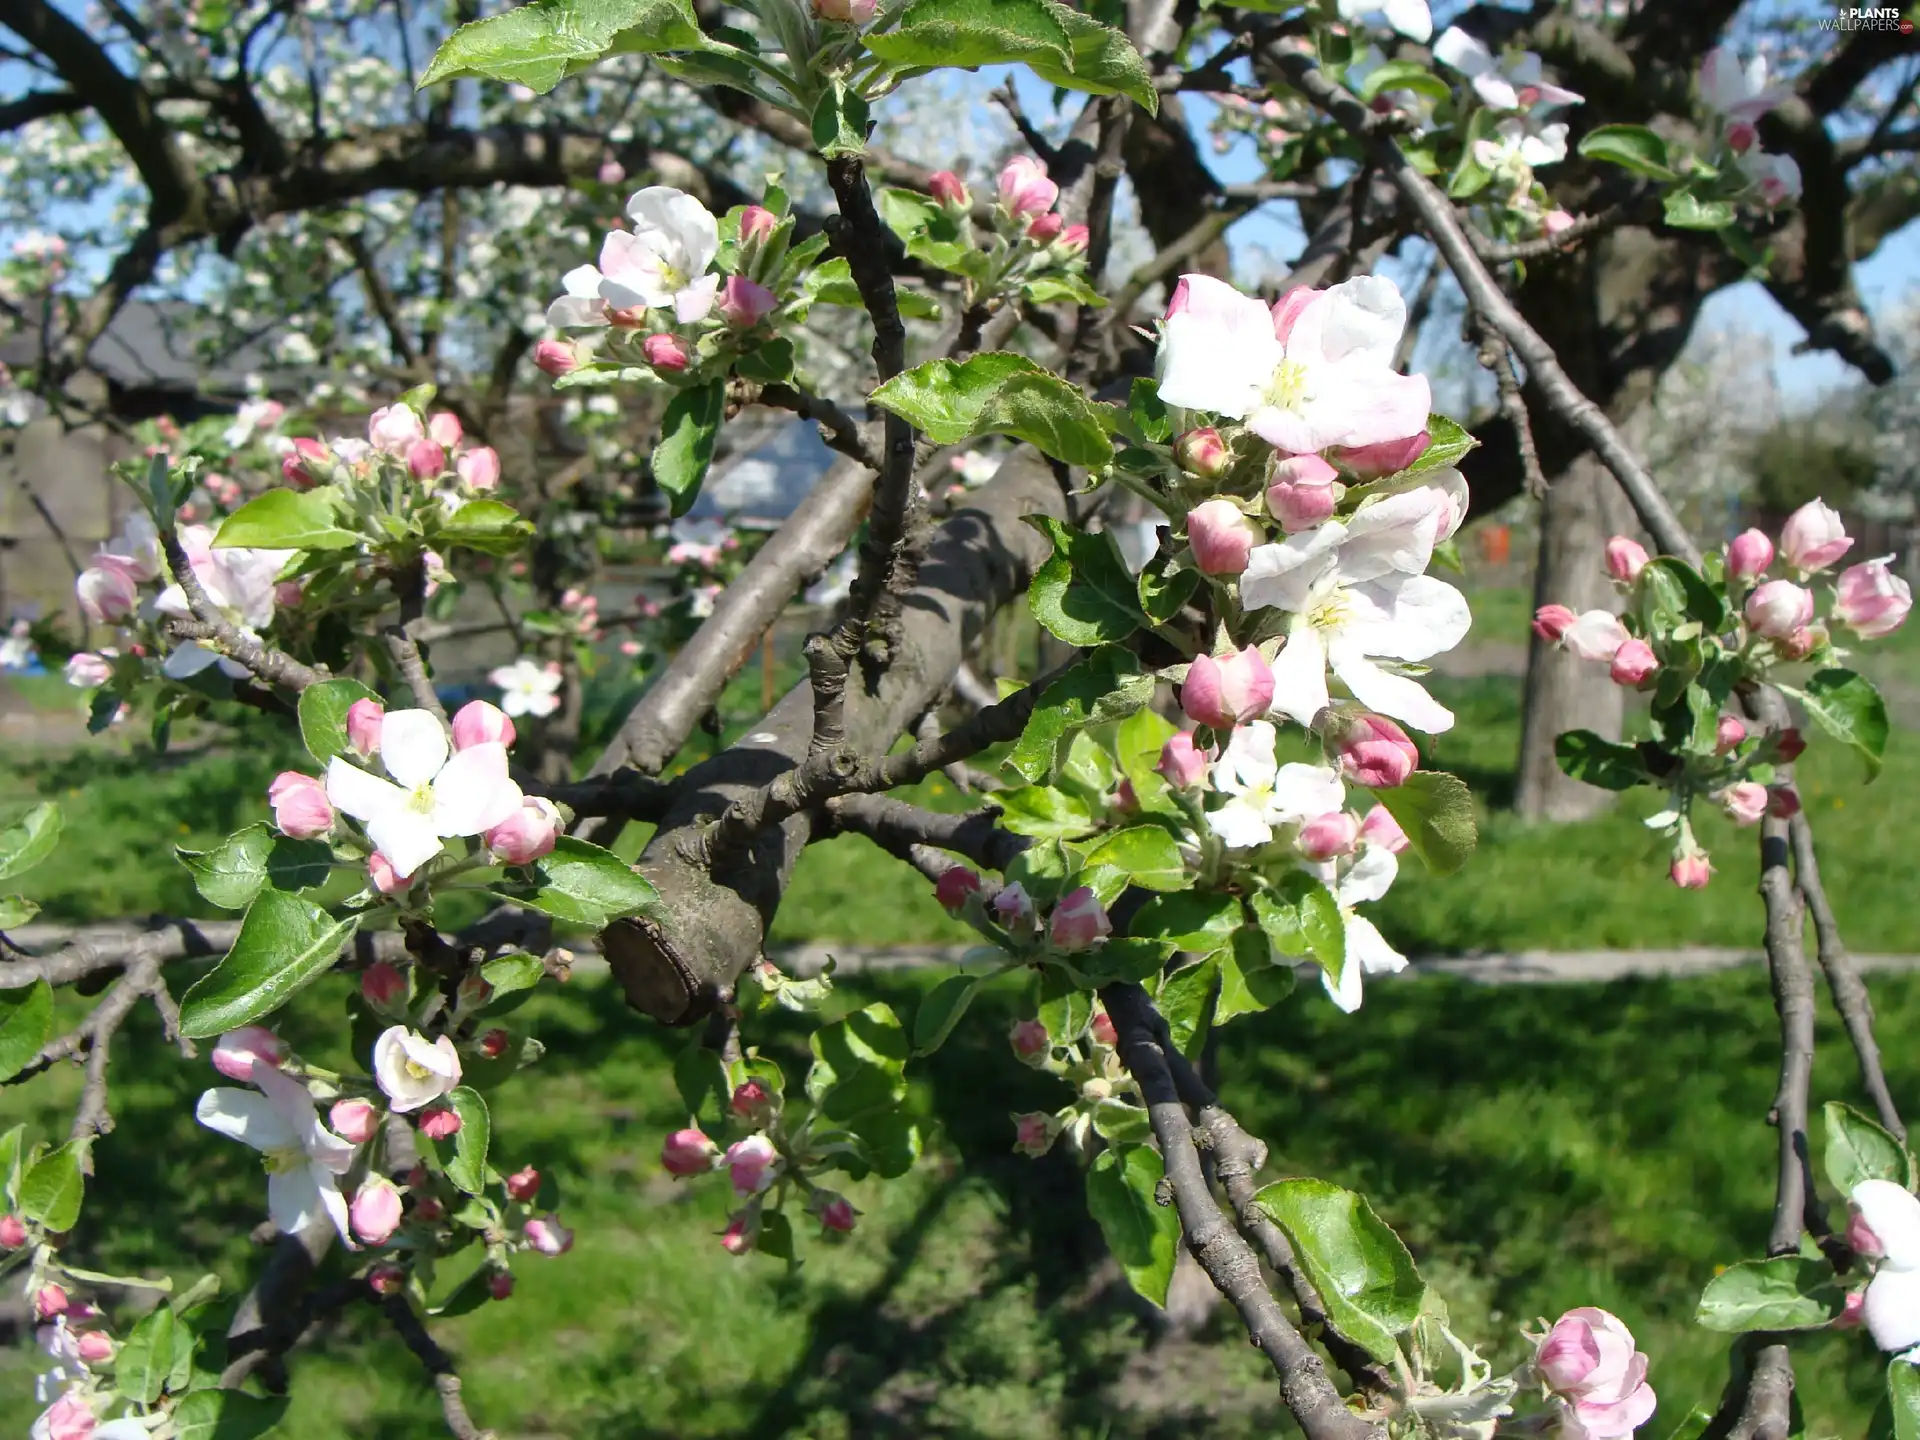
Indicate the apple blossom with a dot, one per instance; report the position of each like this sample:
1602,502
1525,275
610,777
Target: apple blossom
688,1152
1073,240
745,304
1301,496
1013,907
756,224
1595,635
87,670
1375,462
1203,453
527,687
1512,83
1046,228
1411,18
49,1301
1263,794
13,1232
1557,222
479,722
354,1120
439,1122
1030,1040
1329,381
556,357
304,1159
1377,753
948,188
426,460
1728,734
547,1235
523,1185
1783,802
1182,763
954,886
1740,92
363,727
1744,802
71,1417
1778,608
1221,537
738,1237
431,797
1789,744
1777,177
299,466
1550,622
1626,558
383,985
107,594
479,468
838,1214
1814,537
1367,952
665,352
1326,837
1872,601
1690,870
413,1071
662,262
1589,1362
1802,642
1380,828
752,1102
1025,190
527,834
301,809
237,1052
386,1279
1355,592
1519,146
1748,555
1227,691
1034,1133
238,581
1634,663
375,1212
92,1347
394,428
1078,921
751,1164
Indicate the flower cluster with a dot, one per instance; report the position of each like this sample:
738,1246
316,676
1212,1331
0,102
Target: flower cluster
1084,1055
1739,95
1523,139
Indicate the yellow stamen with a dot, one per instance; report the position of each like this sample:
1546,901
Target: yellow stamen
1288,387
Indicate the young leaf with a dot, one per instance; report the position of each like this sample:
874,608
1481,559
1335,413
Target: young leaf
1083,592
489,526
53,1187
687,434
941,1011
1858,1149
859,1064
1143,1235
1043,812
1101,686
1249,980
226,1415
145,1358
1632,147
234,871
29,840
1688,211
16,910
283,944
700,1075
1847,707
583,884
840,122
1365,1276
1103,62
1436,811
323,716
26,1024
1301,917
1788,1292
1903,1398
1147,854
287,520
1189,920
468,1166
1596,761
999,393
538,45
1186,1000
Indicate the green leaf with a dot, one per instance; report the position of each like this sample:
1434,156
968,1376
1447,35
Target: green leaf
999,393
1103,62
234,871
323,716
287,520
1148,854
859,1065
284,943
840,122
10,1142
832,284
1149,412
1847,707
1103,685
16,910
145,1357
1596,761
1404,75
1858,1149
1632,147
584,884
489,526
1436,810
1083,592
1448,443
1186,1001
1142,1234
1043,812
1688,211
539,45
1120,960
53,1187
29,840
1903,1398
1059,44
1065,1009
468,1166
687,433
26,1024
941,1011
1365,1276
512,979
1302,917
1067,285
770,362
1249,980
1189,920
226,1415
700,1075
1788,1292
1672,590
1162,588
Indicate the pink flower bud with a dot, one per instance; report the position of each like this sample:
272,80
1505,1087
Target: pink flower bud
1301,494
752,1102
1377,753
1030,1040
1778,608
88,670
527,834
49,1301
441,1122
751,1164
1861,1239
1595,635
523,1184
1125,799
736,1239
556,357
394,428
665,352
547,1235
375,1212
688,1152
1287,310
838,1214
1046,227
1691,871
1853,1311
1634,664
1078,921
1033,1134
384,877
947,188
479,469
383,985
1074,240
1326,837
500,1283
444,429
1025,190
495,1043
1179,299
1221,537
363,727
386,1279
1550,622
1380,828
1388,457
299,466
13,1233
756,224
1789,744
1813,537
429,1211
1013,907
847,12
237,1051
1872,601
355,1121
1625,559
107,594
611,172
743,303
1225,692
426,460
93,1347
1744,802
953,888
288,593
1740,136
1556,222
1783,802
1748,554
301,808
1203,453
1182,762
1102,1030
479,723
1728,735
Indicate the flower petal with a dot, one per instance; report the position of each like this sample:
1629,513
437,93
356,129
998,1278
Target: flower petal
692,303
1393,535
1460,51
406,837
1301,791
293,1199
1300,674
583,283
1893,1308
681,220
1893,1214
1394,696
1357,320
1411,617
1370,948
413,746
1239,825
1284,575
246,1116
1345,992
1248,761
363,796
188,660
1371,877
473,793
1219,352
571,312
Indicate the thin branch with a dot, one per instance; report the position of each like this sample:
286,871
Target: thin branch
270,665
410,585
839,429
380,297
900,829
1009,100
1496,355
453,1406
1496,252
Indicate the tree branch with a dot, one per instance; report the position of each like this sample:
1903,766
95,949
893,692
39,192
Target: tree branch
453,1406
270,665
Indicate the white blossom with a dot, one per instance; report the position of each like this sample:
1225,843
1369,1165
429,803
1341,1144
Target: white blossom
433,795
304,1159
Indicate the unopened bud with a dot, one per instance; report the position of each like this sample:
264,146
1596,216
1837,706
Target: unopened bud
949,190
523,1185
954,886
13,1232
383,986
1728,735
442,1122
665,352
1203,453
1030,1040
556,357
386,1279
500,1284
494,1043
1626,558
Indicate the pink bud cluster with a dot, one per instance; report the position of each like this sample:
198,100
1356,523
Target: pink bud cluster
1027,197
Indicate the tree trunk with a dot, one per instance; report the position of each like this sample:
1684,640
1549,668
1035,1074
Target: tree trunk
1583,507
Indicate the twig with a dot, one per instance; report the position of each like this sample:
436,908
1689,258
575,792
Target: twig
1009,100
1496,252
837,428
900,829
1496,355
270,665
410,584
399,1312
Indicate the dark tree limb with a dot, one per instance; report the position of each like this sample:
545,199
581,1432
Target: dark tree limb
446,1380
902,830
